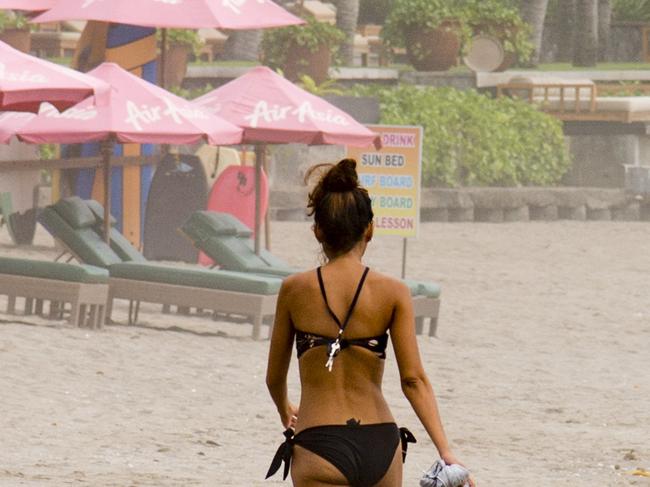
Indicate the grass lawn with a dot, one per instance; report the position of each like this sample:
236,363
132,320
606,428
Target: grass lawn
598,67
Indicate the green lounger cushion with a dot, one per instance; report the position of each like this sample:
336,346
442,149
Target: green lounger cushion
203,278
119,243
426,289
53,270
228,241
85,243
98,211
202,225
76,212
429,289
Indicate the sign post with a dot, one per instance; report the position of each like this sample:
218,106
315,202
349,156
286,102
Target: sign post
392,176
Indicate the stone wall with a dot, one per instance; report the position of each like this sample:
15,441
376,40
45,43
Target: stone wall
498,205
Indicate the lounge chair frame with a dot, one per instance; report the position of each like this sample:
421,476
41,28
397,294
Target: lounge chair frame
259,307
426,307
256,306
88,301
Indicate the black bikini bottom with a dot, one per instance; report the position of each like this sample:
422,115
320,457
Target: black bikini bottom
362,453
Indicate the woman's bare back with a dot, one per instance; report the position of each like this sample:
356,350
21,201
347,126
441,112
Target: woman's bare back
352,389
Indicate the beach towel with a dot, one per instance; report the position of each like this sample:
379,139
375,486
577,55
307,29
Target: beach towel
443,475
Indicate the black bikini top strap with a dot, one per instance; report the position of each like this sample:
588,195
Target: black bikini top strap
324,294
352,305
356,297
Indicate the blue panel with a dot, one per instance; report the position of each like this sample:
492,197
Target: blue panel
121,34
84,183
146,175
150,72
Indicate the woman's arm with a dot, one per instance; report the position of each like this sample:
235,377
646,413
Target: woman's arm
280,357
415,383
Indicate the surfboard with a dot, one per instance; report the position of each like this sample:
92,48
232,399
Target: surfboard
134,49
234,192
178,189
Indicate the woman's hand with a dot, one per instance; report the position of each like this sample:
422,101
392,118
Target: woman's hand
450,459
289,416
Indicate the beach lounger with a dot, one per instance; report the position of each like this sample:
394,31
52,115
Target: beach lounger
228,242
74,223
39,282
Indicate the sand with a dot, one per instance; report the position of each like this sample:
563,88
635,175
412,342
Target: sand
542,370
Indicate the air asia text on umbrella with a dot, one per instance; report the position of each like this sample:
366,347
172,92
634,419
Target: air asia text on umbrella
304,112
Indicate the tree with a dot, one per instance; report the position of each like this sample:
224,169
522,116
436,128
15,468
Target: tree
604,27
586,40
566,26
533,12
347,16
243,45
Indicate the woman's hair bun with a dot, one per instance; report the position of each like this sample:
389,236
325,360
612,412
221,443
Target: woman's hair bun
342,177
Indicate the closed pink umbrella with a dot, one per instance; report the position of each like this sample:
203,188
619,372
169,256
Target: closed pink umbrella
220,14
135,111
271,109
26,82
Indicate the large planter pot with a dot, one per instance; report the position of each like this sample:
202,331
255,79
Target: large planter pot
17,38
502,32
176,57
301,60
433,49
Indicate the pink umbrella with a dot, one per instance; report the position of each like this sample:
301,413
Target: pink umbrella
26,82
135,111
11,123
195,14
31,5
220,14
271,109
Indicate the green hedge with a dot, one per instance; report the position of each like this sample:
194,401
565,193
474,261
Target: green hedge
473,139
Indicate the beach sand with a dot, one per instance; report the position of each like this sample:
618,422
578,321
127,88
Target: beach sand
541,367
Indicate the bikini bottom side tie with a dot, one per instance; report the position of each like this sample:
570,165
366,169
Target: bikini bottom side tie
284,454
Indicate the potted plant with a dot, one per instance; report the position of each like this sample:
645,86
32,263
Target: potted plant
308,49
180,44
430,30
15,30
502,21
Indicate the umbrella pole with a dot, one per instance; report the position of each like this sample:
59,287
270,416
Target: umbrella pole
106,150
163,51
260,152
267,215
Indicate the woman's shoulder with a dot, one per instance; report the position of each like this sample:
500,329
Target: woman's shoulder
299,280
390,283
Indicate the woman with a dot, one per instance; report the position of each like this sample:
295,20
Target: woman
341,316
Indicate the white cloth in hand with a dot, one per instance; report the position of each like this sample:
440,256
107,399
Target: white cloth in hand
443,475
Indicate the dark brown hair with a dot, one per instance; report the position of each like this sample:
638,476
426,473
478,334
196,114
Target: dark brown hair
341,208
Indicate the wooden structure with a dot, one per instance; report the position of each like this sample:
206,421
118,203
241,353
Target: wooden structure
52,40
576,100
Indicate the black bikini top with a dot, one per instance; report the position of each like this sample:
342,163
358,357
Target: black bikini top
306,341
